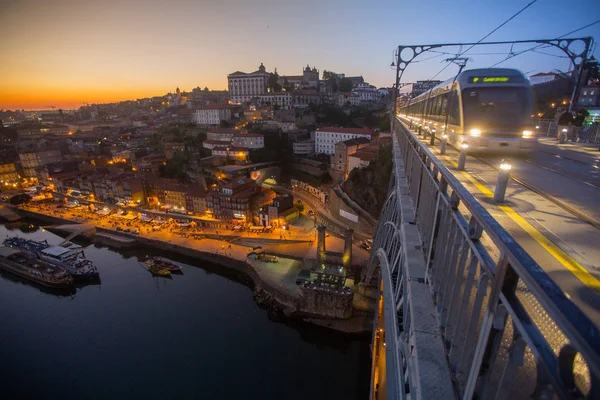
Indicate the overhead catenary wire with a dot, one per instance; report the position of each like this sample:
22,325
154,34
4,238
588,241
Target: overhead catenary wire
544,45
486,36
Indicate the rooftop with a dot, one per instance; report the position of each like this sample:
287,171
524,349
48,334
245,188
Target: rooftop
359,140
364,131
221,131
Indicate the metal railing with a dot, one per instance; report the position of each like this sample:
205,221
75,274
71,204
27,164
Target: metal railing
507,330
585,134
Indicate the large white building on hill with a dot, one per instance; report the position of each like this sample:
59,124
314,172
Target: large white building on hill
327,137
244,86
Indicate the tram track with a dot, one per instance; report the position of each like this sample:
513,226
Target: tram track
562,174
557,155
570,209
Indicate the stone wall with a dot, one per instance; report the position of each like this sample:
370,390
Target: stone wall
317,301
336,203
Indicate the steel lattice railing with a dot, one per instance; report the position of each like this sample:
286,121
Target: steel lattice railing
505,328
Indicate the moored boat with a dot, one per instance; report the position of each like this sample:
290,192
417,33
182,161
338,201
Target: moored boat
165,263
154,269
68,256
25,265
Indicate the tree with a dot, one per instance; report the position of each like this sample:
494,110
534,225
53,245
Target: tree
345,85
299,206
272,82
177,167
287,86
332,78
329,75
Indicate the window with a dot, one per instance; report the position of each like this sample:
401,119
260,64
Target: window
591,93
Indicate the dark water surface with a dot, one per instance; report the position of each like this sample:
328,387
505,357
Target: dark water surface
199,335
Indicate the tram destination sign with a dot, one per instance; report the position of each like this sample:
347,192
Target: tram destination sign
493,79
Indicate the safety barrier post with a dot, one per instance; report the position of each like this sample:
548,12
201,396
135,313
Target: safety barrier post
443,145
462,157
502,181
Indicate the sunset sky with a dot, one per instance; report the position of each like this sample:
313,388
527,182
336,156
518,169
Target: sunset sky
67,52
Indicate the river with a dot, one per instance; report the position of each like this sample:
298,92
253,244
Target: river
197,335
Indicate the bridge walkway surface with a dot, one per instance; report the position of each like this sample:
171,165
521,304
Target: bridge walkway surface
552,209
468,306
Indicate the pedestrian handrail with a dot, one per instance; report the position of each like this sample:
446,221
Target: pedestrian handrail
507,329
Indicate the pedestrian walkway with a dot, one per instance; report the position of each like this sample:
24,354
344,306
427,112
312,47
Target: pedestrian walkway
582,152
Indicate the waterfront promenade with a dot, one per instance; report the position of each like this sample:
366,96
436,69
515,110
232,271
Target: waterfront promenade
226,248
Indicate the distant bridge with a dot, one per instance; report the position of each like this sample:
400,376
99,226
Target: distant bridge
463,311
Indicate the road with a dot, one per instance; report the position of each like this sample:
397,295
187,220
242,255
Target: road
552,209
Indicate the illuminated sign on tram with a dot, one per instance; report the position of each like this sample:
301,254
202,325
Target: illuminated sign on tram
491,79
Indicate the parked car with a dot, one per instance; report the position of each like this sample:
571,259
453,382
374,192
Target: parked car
135,232
126,230
365,246
119,229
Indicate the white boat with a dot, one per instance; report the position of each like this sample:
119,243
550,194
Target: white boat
68,256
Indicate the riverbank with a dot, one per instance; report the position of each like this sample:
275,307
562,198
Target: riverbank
274,289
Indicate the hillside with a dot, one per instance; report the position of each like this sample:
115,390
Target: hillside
368,186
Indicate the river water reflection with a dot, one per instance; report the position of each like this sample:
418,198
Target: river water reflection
197,335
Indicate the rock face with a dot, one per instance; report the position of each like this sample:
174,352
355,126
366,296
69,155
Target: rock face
266,301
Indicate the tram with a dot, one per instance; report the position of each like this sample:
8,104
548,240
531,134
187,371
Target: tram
490,110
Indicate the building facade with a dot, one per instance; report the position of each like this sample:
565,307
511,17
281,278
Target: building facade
304,97
327,137
233,201
304,147
280,99
541,77
366,93
362,158
343,149
589,96
211,115
220,134
234,153
33,161
249,140
245,86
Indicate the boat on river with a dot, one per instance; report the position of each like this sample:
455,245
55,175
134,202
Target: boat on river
68,256
165,263
28,267
155,269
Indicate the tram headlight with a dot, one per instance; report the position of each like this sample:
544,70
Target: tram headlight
527,134
475,132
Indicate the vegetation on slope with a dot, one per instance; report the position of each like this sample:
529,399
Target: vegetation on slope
368,186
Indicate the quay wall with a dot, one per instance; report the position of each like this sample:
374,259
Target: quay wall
312,303
284,299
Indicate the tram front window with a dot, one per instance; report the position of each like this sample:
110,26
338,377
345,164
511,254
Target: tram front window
492,108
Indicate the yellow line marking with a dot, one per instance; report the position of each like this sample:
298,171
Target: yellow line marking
576,269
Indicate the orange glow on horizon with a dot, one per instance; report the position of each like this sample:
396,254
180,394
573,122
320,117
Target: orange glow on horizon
12,99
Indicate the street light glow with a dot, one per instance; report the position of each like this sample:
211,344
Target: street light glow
505,165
